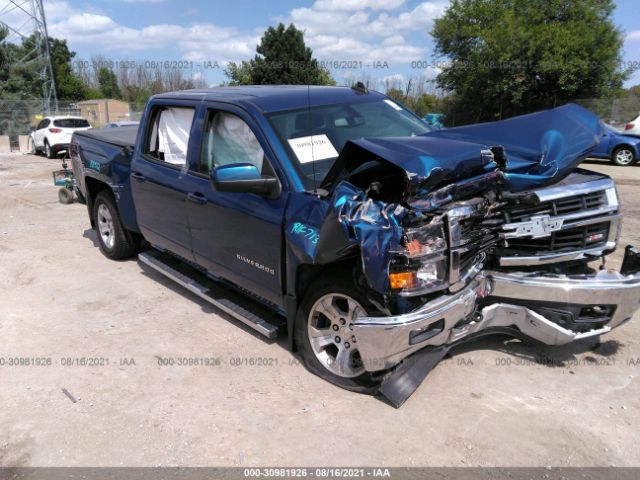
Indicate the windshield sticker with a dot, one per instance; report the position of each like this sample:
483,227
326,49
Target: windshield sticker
393,104
314,147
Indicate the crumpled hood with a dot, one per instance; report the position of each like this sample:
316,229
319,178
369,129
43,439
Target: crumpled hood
541,148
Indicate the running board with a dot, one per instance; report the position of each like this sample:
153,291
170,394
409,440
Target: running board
249,312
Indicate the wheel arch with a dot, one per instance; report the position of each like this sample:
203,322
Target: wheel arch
631,147
93,187
306,275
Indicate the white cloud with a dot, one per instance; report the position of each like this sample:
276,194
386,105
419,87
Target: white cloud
356,4
634,35
198,42
364,31
345,34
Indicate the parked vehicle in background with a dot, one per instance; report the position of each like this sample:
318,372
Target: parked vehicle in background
633,127
123,123
53,134
434,120
338,216
621,148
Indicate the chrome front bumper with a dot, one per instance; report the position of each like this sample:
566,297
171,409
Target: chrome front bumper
384,341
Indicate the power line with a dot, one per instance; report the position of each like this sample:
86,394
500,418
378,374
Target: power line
35,24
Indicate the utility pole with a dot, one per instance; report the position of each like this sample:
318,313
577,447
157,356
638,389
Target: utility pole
27,18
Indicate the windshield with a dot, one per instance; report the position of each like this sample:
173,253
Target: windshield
331,126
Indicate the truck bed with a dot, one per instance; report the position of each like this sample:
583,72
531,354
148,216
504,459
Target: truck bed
121,136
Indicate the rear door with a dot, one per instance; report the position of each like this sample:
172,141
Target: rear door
38,135
159,178
237,236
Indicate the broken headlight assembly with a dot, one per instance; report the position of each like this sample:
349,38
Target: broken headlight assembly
421,266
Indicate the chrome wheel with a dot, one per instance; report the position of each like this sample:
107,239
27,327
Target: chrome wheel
47,149
330,331
105,226
624,156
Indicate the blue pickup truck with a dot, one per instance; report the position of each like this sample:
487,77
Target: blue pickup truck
339,218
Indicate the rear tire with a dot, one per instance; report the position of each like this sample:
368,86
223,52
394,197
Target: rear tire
323,338
115,241
623,156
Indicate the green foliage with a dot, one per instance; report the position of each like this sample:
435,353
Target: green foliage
420,105
21,77
68,85
282,58
108,83
514,56
396,94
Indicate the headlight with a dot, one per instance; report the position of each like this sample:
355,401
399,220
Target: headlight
421,267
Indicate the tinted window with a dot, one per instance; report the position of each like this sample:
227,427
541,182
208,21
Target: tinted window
43,124
332,126
227,139
71,123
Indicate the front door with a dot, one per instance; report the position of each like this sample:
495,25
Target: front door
237,236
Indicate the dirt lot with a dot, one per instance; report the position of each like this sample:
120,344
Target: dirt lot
493,403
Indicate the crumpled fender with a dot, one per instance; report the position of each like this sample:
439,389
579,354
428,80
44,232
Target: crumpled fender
440,166
323,232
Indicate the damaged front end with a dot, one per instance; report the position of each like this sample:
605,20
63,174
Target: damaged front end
477,230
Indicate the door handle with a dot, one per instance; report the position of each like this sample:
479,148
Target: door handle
197,197
138,176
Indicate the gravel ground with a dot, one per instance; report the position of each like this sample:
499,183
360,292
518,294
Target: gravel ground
495,402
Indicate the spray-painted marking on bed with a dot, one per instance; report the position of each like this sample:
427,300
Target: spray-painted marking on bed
309,232
93,165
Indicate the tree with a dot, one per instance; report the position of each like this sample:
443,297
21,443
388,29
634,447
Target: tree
24,79
282,58
108,83
68,85
509,57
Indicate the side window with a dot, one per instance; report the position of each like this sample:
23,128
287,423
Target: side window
227,139
168,138
43,124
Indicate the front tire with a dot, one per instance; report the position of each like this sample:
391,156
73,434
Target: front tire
324,338
115,241
623,156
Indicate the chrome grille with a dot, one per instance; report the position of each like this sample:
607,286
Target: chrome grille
563,206
576,238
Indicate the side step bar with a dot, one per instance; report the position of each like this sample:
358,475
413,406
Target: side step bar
247,311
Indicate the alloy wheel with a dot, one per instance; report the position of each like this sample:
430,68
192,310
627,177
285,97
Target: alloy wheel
330,332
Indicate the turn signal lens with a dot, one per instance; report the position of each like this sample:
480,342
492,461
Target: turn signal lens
399,280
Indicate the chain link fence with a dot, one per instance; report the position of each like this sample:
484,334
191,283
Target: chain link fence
616,112
19,117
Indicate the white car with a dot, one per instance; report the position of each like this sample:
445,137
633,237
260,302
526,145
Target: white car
53,134
633,127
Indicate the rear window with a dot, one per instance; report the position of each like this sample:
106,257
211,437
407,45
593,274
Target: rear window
71,123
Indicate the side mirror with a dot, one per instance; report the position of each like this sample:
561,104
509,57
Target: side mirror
243,178
32,128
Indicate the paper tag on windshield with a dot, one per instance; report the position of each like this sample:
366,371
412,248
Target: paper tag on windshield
306,151
393,104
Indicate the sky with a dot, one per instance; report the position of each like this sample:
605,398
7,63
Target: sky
383,41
